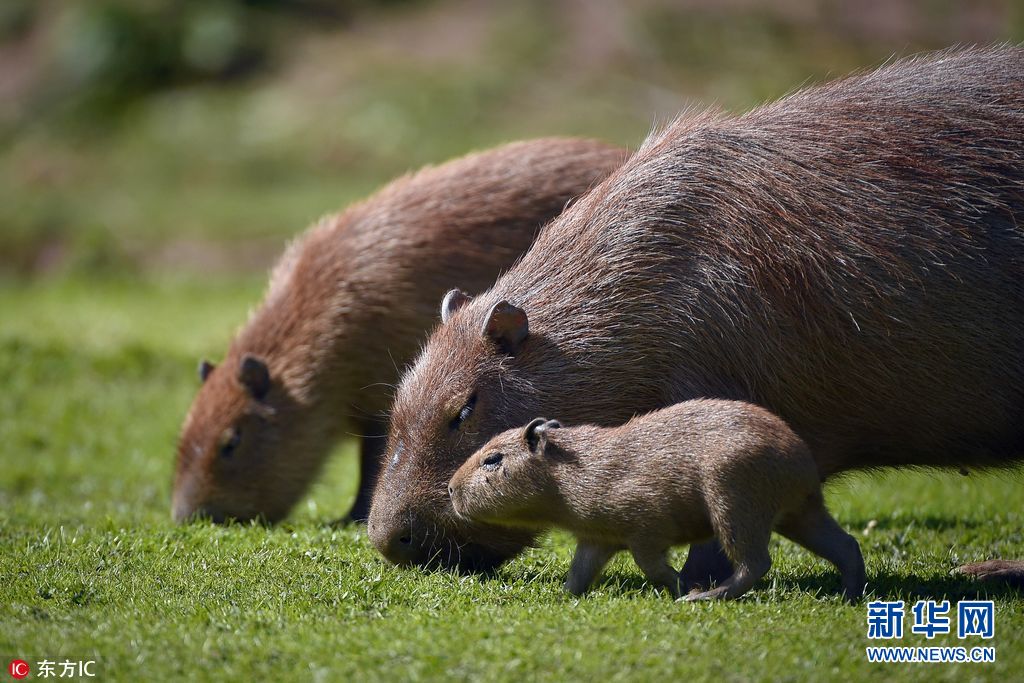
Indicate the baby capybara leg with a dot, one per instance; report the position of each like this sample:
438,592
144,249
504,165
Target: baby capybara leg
743,532
587,563
653,562
706,565
751,560
815,529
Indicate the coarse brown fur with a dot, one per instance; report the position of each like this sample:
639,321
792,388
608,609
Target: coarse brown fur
850,257
697,469
347,305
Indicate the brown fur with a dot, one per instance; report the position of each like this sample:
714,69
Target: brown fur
697,469
850,257
347,306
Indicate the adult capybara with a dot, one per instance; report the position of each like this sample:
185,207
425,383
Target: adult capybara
348,304
850,257
699,469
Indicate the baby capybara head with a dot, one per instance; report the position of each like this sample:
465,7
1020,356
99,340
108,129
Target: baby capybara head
447,406
238,419
508,481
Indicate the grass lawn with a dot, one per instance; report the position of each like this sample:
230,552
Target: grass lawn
96,376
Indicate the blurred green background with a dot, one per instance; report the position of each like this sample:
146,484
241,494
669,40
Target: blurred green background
193,136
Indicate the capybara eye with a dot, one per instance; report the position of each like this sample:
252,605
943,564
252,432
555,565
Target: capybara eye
229,442
464,413
492,461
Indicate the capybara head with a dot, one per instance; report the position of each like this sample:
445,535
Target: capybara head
508,481
447,406
239,418
347,306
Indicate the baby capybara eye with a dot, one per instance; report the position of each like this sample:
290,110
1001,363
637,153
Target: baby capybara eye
492,461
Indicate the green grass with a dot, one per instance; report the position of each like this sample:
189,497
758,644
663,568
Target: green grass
96,376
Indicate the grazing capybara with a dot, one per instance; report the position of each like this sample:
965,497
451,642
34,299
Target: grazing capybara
699,469
850,257
348,304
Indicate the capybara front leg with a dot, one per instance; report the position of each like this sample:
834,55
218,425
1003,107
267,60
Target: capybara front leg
653,562
371,451
587,563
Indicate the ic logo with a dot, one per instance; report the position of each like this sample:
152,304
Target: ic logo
18,668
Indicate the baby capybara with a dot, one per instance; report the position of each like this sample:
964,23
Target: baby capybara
697,469
850,257
348,304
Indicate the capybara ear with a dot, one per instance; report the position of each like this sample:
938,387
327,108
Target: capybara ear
507,326
535,436
205,368
453,301
254,376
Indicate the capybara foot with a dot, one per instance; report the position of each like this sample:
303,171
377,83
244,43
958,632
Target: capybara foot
706,565
727,591
1010,572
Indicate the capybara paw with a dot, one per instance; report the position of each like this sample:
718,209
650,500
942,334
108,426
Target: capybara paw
706,565
714,594
1010,572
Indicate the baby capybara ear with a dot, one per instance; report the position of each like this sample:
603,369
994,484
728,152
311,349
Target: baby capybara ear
453,301
536,436
254,376
205,368
507,326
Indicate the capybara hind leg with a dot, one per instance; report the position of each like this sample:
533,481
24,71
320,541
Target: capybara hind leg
653,562
706,565
370,453
748,571
743,532
1010,572
815,529
587,563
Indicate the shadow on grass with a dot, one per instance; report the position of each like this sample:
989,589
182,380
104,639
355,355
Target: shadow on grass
886,584
907,587
930,522
881,585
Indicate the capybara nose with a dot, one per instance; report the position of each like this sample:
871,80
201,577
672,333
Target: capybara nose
181,512
398,545
185,512
451,492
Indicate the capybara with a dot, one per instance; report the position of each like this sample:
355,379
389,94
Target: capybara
850,257
348,304
697,469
